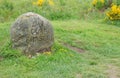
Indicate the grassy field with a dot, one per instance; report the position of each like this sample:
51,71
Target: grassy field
82,49
85,45
11,9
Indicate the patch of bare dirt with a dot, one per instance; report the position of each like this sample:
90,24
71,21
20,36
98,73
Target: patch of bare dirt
78,76
112,71
74,48
1,58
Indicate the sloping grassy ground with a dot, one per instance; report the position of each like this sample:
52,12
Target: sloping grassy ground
62,9
82,49
98,55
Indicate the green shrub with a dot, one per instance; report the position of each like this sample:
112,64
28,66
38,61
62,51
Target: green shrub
118,2
101,4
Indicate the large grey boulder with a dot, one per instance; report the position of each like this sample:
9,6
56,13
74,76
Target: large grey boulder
32,33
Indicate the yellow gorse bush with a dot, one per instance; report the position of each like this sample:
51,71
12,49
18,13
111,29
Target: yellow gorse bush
98,1
114,13
42,2
94,2
39,2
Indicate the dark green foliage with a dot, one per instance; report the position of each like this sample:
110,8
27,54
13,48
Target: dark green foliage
118,2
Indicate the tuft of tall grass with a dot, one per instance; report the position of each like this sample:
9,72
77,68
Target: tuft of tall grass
6,10
7,51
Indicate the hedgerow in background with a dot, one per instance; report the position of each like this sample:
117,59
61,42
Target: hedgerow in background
99,4
102,4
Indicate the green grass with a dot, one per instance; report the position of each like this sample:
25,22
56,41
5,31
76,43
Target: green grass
11,9
99,42
88,48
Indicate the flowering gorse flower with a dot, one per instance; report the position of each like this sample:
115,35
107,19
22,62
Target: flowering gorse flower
51,2
39,2
94,2
102,1
114,13
42,2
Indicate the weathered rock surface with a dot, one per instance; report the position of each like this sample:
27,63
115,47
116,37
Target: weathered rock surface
32,33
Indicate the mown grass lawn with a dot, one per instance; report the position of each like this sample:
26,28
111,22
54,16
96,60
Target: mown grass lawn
82,49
